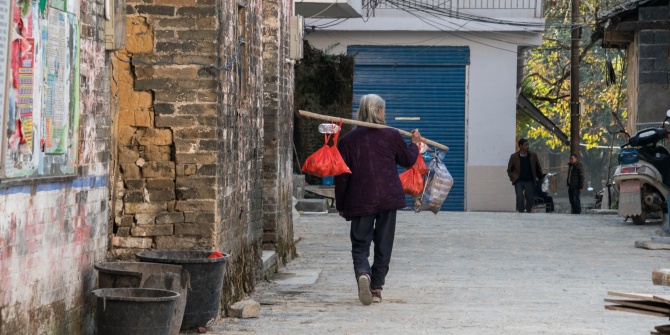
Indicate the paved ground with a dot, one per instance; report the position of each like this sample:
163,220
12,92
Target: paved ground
465,273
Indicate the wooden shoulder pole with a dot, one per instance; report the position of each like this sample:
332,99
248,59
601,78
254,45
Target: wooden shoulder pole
369,125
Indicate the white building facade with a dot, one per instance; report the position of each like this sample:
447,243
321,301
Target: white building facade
450,69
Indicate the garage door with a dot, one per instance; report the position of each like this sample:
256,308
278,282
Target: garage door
424,88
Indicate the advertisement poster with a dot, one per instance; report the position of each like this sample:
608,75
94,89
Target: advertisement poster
5,19
42,110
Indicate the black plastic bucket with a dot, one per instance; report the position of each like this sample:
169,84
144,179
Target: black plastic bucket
148,275
206,274
134,311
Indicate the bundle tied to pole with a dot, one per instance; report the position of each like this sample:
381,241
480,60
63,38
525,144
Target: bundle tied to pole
369,125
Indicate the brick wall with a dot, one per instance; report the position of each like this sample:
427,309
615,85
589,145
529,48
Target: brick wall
190,134
278,127
53,231
653,66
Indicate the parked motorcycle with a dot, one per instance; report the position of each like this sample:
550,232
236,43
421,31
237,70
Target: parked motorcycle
643,175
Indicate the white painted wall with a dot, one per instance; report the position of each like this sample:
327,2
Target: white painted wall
490,101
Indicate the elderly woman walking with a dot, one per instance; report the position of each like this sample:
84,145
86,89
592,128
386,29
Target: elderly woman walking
370,196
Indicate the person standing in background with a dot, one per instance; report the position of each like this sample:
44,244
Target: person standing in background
575,184
524,171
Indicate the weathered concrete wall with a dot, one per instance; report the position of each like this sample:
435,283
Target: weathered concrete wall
53,231
278,88
191,133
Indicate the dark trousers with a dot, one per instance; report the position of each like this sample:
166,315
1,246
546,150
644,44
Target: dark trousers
379,228
575,203
524,191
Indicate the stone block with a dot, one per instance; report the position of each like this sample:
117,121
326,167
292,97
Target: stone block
161,195
653,51
128,154
155,10
195,133
174,217
653,78
196,11
299,186
169,121
202,158
134,184
124,221
145,219
195,206
194,229
660,36
182,22
244,309
152,136
133,196
207,170
198,109
195,193
177,243
195,182
179,46
160,169
312,205
154,230
157,152
160,184
186,145
130,170
131,242
204,218
144,207
122,232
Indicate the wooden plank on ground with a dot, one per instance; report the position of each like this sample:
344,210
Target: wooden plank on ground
641,296
635,310
662,298
647,305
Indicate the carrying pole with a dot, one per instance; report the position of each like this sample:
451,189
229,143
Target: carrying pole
368,125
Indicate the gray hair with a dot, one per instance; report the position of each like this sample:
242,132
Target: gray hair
371,109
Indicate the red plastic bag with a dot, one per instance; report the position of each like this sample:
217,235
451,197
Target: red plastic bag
215,254
412,178
326,161
420,165
412,182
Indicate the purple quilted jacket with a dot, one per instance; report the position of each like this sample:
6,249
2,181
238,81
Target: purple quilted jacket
373,185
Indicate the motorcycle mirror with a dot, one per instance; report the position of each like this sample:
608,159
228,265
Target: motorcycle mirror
667,114
615,129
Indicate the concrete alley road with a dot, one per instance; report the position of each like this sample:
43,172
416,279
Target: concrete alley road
465,273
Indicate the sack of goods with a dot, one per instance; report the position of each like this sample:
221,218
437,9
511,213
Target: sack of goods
436,186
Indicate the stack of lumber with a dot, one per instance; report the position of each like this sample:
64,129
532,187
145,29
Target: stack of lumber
656,305
648,304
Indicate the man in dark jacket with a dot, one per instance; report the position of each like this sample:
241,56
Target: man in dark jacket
524,170
372,193
575,183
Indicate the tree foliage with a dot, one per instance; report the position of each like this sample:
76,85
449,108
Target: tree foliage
547,80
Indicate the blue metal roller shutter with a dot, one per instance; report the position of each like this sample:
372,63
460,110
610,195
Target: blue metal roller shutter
421,82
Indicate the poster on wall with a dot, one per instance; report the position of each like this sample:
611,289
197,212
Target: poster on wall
43,91
5,19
